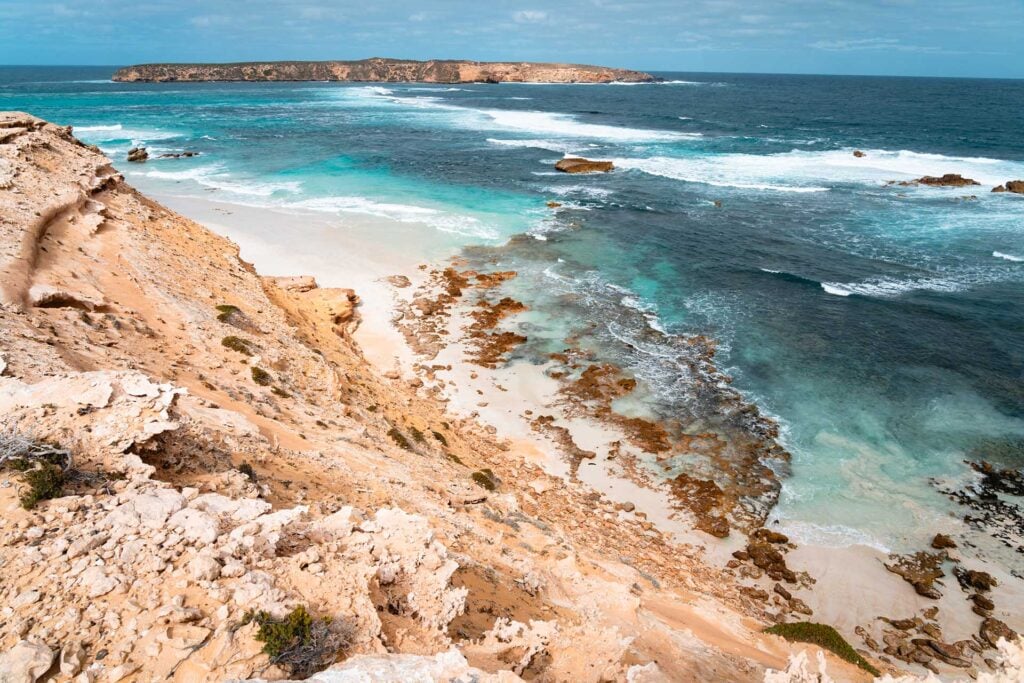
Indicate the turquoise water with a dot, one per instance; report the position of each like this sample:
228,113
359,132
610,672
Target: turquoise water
882,325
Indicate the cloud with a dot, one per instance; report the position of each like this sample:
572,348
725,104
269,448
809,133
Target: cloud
891,44
530,16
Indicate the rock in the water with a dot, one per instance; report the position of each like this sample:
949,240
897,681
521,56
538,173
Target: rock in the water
947,180
942,541
580,165
1016,186
859,154
25,662
138,154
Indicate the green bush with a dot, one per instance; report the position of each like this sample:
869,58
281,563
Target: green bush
237,344
44,482
226,311
823,636
485,478
300,643
399,438
261,376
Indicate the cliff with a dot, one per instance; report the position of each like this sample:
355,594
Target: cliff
383,70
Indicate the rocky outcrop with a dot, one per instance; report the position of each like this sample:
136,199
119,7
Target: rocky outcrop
384,70
1016,186
580,165
947,180
137,154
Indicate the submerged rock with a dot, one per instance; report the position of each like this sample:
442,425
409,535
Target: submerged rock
580,165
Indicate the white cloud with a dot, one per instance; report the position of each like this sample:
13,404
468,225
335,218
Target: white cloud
869,44
530,16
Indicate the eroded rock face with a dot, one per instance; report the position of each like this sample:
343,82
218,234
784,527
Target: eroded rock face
384,70
580,165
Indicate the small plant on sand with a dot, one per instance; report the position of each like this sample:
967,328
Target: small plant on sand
399,438
226,311
237,344
485,478
44,467
246,469
823,636
44,482
300,643
261,376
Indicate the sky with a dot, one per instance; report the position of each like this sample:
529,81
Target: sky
884,37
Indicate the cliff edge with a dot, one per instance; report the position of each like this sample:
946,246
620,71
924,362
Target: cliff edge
383,70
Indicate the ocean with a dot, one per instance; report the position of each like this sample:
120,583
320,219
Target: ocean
881,325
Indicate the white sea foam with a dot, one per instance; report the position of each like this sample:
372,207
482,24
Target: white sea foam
829,535
805,171
537,122
92,129
587,191
550,145
1008,257
956,281
438,219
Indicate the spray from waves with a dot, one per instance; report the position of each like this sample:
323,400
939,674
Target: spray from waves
454,223
550,145
811,171
214,176
889,287
584,191
535,122
94,129
108,135
1008,257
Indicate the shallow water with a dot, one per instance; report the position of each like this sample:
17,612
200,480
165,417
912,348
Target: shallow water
883,325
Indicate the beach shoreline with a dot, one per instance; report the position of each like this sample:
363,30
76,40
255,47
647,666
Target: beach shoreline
847,586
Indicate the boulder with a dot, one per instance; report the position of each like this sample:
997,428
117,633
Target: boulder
138,154
942,542
580,165
25,662
947,180
859,154
72,658
992,630
1015,186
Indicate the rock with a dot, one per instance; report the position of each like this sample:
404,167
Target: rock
1015,186
97,582
921,570
978,580
554,205
72,658
580,165
947,180
770,536
205,568
859,154
628,507
765,556
786,595
183,636
999,188
138,154
177,155
982,602
26,598
942,541
992,630
25,662
195,525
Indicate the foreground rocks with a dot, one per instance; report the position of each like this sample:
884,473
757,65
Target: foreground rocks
580,165
230,451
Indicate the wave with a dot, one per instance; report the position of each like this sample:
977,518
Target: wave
1008,257
587,191
550,145
536,122
889,287
91,129
817,171
213,176
117,133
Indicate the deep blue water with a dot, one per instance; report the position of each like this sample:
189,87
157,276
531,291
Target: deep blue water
883,325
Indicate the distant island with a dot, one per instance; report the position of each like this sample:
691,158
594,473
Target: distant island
383,70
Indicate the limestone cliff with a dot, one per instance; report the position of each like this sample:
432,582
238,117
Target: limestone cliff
383,70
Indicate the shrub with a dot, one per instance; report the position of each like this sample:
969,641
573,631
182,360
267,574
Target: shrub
417,435
261,376
226,312
44,482
399,438
237,344
823,636
246,469
300,643
485,478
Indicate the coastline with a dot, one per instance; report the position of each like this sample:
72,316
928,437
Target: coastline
847,587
